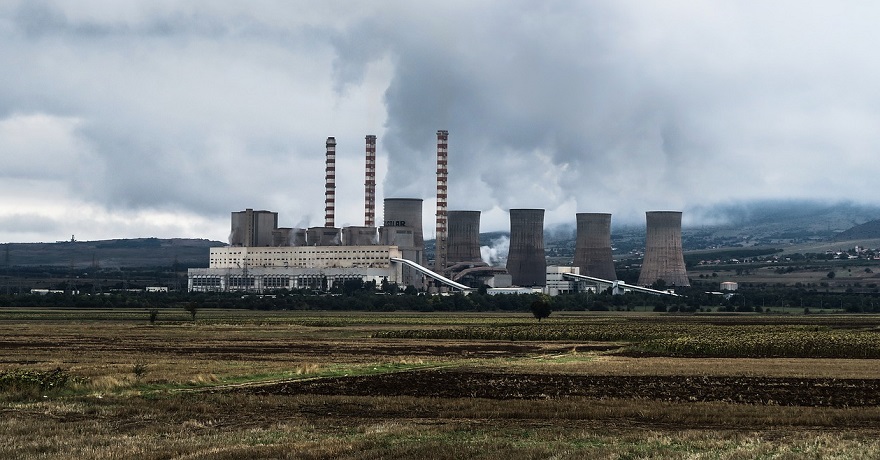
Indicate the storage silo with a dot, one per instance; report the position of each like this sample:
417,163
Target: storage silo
464,237
664,259
592,253
526,262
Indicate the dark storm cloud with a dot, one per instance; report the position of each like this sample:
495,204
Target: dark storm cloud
178,113
623,107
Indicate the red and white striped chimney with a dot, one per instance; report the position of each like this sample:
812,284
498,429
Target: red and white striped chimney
442,179
370,183
330,184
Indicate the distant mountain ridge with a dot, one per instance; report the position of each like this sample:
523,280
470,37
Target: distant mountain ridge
117,253
868,230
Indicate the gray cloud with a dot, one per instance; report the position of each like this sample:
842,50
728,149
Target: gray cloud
176,114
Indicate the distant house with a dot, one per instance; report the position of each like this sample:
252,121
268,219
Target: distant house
729,286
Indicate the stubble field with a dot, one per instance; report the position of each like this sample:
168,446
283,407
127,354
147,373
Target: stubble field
245,384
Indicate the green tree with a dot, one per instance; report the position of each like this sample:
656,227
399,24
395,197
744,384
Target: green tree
541,309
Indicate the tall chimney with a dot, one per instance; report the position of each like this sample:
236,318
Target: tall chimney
370,183
442,181
330,184
592,252
664,259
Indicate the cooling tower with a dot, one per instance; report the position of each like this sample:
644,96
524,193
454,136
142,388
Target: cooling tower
663,256
253,228
592,253
324,236
406,212
464,237
360,236
526,262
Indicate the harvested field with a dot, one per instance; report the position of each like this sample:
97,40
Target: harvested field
241,384
441,383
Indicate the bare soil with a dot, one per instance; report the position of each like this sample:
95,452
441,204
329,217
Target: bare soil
440,383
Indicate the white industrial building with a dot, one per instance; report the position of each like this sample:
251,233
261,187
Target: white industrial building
257,269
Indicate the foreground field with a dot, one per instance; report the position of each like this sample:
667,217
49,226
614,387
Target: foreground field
242,384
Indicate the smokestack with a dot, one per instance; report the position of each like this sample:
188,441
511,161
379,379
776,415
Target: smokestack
664,259
464,237
592,253
330,185
526,262
442,182
370,183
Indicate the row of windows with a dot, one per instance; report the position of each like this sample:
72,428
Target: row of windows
338,251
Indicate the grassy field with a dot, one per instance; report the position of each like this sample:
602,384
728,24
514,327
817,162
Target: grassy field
247,384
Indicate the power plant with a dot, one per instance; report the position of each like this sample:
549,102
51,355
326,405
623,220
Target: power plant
664,259
592,253
262,256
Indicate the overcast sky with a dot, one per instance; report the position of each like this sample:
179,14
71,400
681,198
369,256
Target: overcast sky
158,118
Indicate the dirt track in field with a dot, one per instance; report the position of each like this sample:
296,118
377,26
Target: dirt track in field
474,384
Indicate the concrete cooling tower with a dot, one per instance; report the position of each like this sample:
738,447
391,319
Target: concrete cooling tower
592,253
464,237
664,259
406,212
526,262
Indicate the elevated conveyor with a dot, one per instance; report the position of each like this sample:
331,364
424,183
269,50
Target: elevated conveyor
618,287
446,281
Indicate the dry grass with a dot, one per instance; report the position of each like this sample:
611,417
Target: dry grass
225,427
602,364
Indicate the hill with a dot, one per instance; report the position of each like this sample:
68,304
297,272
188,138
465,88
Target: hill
868,230
120,253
